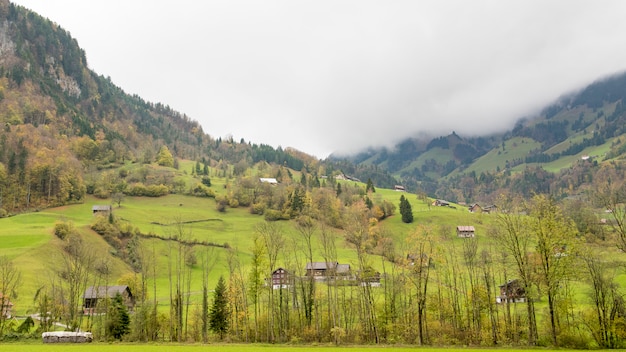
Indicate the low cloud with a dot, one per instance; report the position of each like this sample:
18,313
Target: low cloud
340,76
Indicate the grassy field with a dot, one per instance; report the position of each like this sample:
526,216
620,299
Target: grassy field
28,238
241,348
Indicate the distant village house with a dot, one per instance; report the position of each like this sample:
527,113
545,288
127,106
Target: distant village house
476,208
399,188
441,203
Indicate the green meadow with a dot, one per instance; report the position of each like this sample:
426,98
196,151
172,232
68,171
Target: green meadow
243,348
28,238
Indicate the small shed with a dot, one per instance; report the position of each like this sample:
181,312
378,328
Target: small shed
101,210
465,231
399,188
94,294
441,203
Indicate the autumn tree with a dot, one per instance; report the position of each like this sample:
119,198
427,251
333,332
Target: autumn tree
165,157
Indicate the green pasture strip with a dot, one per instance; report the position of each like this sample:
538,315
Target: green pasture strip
101,347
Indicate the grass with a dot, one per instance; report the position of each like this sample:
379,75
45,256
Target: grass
100,347
28,238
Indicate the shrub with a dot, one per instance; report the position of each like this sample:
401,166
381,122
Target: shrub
275,215
257,208
62,229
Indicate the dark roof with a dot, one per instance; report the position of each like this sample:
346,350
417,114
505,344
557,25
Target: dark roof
320,265
105,291
341,268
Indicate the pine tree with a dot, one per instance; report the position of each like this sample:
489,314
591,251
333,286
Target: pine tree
370,186
218,316
118,320
405,210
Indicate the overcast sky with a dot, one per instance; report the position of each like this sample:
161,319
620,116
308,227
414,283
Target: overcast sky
338,76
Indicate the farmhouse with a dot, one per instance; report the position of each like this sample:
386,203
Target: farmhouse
511,292
399,188
475,208
101,209
369,278
281,278
465,231
325,271
95,294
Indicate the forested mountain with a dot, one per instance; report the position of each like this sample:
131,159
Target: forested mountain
538,155
60,119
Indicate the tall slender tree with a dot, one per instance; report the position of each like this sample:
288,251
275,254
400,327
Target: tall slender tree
218,317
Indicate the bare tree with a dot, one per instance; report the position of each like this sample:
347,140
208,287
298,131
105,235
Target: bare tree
422,248
10,279
553,236
609,305
612,197
514,236
273,240
74,269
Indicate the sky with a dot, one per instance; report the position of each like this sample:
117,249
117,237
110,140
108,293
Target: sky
340,76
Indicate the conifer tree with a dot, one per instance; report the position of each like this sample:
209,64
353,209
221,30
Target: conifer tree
370,186
405,210
218,316
118,319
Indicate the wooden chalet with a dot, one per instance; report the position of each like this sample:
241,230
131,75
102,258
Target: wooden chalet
511,292
325,271
95,294
399,188
281,278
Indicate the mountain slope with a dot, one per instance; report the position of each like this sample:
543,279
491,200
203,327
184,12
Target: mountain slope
60,121
590,123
